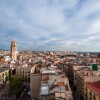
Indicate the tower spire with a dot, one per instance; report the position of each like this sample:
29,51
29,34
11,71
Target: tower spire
13,50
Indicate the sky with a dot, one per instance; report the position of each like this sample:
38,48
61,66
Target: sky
51,25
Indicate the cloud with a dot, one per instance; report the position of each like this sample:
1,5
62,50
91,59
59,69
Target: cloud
50,24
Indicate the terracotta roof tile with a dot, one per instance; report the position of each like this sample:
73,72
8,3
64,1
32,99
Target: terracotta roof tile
95,86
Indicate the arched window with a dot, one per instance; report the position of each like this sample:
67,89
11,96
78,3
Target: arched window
20,73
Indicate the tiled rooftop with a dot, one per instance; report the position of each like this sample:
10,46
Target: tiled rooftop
3,69
95,86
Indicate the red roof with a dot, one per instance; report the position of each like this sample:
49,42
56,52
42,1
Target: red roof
95,86
60,83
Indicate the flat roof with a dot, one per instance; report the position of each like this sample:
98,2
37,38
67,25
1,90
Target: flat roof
45,90
48,72
60,94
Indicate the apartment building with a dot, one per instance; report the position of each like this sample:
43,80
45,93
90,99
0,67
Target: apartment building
24,71
50,84
85,76
4,75
92,90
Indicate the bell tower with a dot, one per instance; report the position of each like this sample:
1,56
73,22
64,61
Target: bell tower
13,50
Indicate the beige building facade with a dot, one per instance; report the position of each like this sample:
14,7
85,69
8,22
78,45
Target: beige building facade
4,75
24,72
92,90
81,78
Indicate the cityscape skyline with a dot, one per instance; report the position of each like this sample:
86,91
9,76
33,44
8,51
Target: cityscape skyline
51,25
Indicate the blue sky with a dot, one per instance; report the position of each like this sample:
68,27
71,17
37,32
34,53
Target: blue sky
66,25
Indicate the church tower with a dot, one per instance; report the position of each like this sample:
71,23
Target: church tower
13,50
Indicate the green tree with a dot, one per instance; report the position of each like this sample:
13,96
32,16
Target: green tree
15,84
10,74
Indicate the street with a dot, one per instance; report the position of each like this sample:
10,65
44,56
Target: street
3,90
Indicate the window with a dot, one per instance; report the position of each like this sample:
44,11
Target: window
86,96
6,73
2,74
86,89
94,97
90,93
17,72
20,73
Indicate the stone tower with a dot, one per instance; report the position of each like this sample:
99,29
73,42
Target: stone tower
13,50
